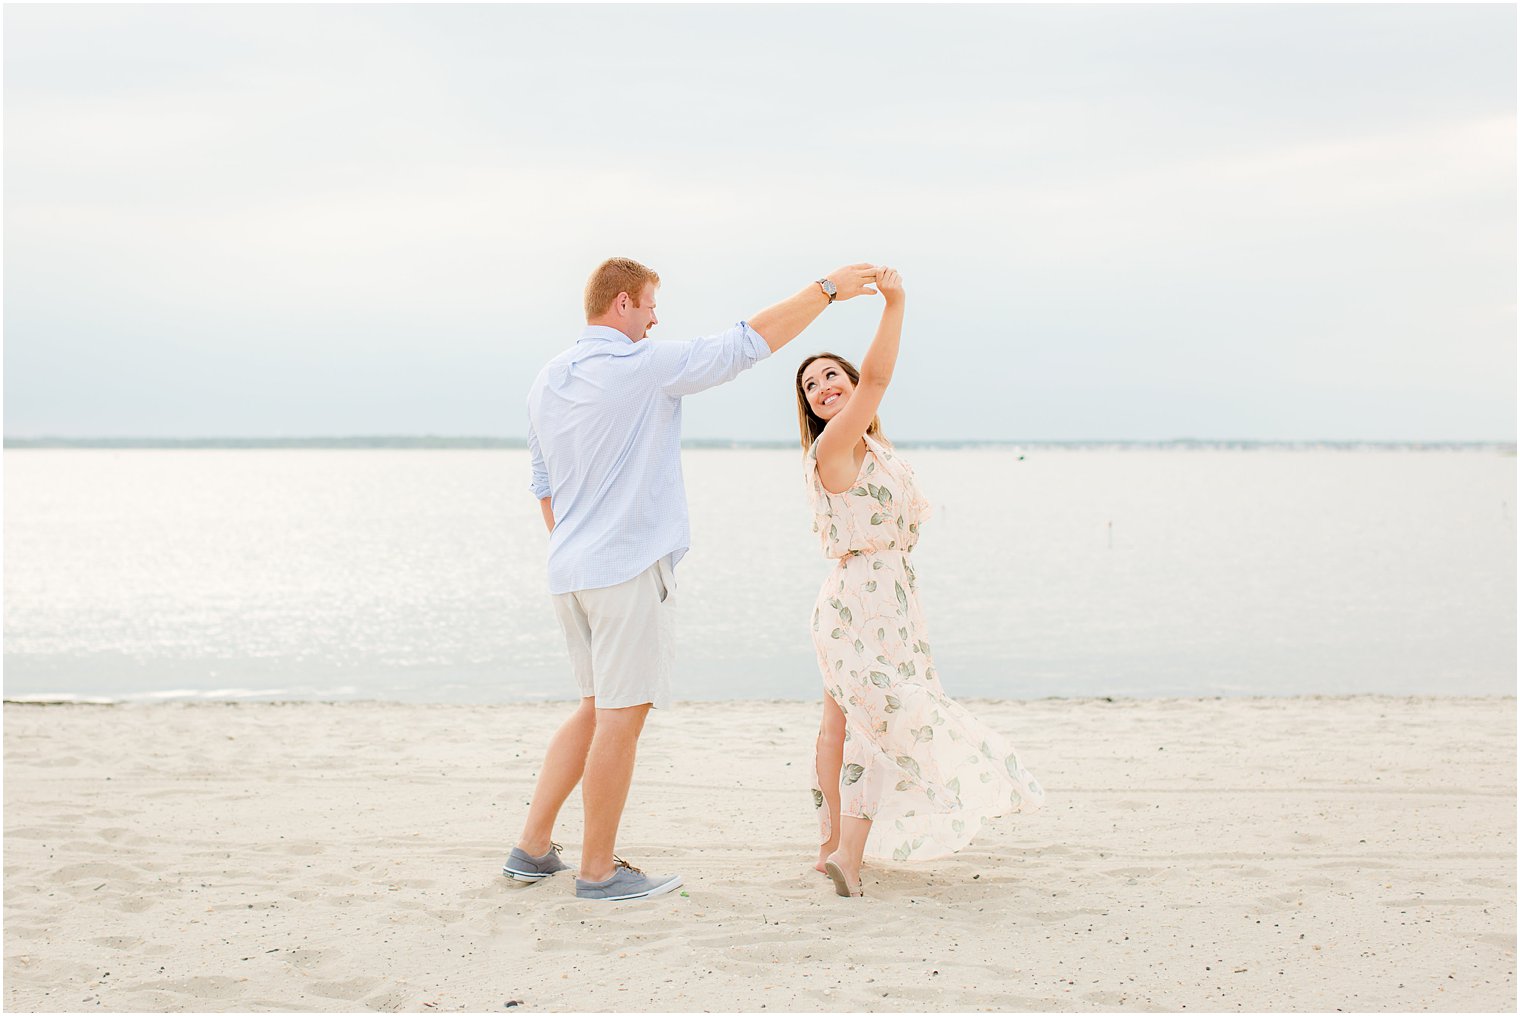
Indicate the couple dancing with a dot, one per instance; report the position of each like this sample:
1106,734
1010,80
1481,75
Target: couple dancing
900,770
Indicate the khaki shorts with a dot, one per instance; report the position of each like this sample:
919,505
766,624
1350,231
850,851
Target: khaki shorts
620,638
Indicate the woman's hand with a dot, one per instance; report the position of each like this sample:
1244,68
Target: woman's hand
852,280
889,284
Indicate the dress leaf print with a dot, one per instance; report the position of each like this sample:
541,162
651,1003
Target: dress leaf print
853,773
1014,769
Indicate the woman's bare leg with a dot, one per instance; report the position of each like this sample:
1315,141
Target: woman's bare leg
830,759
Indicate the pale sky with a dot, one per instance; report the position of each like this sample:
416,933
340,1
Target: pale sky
1128,223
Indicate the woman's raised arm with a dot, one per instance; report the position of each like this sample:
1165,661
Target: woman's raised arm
836,445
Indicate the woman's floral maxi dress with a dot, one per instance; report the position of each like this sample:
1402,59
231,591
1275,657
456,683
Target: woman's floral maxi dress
922,768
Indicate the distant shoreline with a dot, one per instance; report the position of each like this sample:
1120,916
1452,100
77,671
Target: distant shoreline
433,442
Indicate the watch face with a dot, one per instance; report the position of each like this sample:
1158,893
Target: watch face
829,287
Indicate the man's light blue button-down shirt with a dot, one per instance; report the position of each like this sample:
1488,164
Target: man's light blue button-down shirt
604,432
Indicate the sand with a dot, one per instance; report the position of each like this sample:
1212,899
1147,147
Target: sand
1256,854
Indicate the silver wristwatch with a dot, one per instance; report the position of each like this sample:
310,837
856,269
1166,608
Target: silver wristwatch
829,289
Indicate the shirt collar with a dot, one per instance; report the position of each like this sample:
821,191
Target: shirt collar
620,344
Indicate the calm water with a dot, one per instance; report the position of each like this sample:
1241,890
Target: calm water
419,575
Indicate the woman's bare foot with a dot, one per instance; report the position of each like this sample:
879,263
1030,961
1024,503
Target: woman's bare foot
842,863
851,872
819,866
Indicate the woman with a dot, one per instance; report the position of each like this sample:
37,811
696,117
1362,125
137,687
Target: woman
901,770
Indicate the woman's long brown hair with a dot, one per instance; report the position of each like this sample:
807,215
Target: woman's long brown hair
809,421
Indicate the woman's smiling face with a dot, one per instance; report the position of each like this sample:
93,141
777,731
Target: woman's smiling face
826,387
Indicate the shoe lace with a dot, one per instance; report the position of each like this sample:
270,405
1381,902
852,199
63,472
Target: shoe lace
620,863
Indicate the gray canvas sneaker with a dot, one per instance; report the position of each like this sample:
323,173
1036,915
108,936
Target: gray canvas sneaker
521,867
626,883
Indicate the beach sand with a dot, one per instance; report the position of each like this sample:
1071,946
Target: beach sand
1222,854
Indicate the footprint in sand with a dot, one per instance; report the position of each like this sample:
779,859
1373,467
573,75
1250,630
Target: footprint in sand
350,990
117,942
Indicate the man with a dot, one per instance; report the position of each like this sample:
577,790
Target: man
604,432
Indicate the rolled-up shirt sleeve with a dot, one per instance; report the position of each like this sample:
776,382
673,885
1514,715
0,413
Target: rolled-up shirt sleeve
540,482
686,368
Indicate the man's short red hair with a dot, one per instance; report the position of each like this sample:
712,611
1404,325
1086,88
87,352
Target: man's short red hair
614,276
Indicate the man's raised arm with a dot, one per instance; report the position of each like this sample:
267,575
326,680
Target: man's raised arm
780,323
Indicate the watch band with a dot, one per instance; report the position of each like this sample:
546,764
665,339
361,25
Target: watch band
829,289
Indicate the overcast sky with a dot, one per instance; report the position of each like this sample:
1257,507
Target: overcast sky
1287,222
